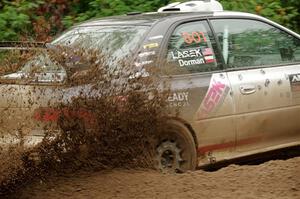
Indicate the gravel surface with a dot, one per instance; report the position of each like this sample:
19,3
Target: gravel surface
273,179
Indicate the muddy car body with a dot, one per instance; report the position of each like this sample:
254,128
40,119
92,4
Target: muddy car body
234,80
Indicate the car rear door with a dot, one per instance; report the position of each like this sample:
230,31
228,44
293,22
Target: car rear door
10,98
31,85
10,113
263,68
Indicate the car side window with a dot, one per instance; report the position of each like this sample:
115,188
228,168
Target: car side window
246,42
191,49
38,68
44,69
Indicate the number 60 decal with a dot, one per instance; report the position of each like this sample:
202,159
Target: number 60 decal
196,37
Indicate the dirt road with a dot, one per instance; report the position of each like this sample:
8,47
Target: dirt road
273,179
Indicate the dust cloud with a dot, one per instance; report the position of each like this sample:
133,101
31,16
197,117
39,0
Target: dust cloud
110,117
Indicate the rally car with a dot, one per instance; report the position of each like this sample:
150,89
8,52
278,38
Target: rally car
233,76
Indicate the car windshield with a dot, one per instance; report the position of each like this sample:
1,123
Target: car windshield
117,42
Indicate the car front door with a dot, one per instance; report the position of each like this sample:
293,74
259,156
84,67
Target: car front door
263,68
200,90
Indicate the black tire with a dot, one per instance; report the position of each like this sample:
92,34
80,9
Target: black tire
175,149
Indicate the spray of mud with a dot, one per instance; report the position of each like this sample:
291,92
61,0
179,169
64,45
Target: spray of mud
109,119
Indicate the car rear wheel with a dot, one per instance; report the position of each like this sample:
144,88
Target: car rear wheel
176,149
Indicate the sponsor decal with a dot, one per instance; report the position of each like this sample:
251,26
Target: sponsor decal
186,53
151,45
155,37
194,37
178,99
145,54
295,82
191,62
53,114
207,51
204,56
209,59
214,97
139,64
142,73
208,55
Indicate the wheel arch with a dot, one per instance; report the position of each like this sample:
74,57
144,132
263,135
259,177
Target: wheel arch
187,125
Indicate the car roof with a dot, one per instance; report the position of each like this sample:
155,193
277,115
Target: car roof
141,18
148,19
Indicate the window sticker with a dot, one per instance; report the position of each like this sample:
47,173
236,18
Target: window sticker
194,37
198,55
190,49
139,64
151,45
208,55
182,57
141,73
178,54
146,54
191,62
155,37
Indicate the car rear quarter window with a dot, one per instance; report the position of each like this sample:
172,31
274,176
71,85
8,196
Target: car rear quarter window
191,49
247,42
116,42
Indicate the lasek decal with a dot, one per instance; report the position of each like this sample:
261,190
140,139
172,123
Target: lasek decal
295,82
214,97
186,53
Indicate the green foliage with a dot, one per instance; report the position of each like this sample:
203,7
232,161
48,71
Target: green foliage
39,18
279,11
83,10
15,19
295,21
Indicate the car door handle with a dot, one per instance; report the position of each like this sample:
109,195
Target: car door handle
247,89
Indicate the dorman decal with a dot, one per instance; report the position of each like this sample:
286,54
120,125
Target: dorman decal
214,97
